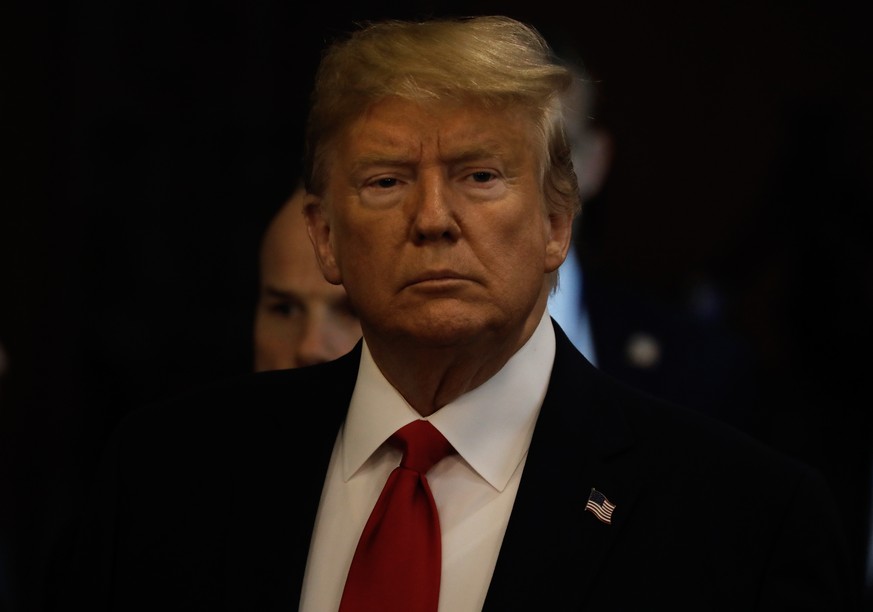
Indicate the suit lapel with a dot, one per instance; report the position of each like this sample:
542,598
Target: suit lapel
276,493
553,547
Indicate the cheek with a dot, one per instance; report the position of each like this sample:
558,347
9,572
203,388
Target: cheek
265,328
523,239
347,332
272,345
362,249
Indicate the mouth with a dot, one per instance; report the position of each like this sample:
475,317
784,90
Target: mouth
438,278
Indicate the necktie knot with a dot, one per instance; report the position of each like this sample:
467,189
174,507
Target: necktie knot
422,444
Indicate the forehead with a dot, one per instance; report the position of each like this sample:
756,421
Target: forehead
289,266
286,245
446,130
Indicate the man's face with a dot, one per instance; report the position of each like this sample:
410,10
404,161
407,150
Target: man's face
301,319
434,221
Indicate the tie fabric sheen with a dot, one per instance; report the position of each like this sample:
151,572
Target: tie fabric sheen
397,564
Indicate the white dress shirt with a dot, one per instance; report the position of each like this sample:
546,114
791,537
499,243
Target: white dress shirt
490,427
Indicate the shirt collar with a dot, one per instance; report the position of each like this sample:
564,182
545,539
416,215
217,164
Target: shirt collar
490,426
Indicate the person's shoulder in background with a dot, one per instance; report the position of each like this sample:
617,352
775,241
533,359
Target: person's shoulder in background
674,353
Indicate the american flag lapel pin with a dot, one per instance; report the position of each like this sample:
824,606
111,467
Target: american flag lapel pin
600,506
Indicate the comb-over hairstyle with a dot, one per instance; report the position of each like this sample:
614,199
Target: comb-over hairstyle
494,61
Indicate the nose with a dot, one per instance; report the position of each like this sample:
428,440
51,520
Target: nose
433,214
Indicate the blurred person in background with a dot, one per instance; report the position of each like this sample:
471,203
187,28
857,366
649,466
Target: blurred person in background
300,318
668,350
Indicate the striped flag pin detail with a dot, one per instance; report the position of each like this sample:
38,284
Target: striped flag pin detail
600,506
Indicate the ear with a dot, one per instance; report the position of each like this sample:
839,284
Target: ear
559,230
319,229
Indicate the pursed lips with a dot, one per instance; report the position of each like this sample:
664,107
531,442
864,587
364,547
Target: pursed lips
434,276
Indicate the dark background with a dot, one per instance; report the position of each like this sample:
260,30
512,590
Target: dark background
147,144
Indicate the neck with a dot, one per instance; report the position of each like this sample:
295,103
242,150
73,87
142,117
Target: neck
429,377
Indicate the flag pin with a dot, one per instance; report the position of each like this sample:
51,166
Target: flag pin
600,506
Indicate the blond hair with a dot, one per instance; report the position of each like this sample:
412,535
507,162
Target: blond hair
489,60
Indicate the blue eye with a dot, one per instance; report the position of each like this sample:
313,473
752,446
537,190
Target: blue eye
386,182
482,176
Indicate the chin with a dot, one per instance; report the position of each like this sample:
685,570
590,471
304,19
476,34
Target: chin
443,337
447,327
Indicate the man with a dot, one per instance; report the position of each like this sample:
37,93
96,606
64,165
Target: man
441,194
300,318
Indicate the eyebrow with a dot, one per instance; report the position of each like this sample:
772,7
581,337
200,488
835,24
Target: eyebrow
477,153
274,292
480,152
367,161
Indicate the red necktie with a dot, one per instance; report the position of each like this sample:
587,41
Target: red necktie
397,565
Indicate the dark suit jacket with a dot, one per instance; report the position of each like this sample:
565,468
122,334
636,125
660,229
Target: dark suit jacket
207,503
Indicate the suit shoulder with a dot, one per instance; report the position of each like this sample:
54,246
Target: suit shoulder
675,436
688,446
